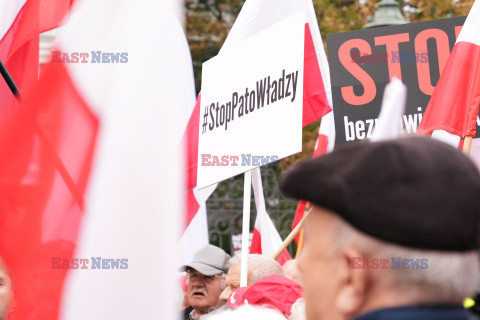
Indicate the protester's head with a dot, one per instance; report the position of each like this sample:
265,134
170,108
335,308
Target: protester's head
258,267
290,268
298,310
410,202
6,291
247,312
206,278
275,291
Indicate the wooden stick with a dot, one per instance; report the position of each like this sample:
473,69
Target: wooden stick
467,145
291,236
300,244
301,235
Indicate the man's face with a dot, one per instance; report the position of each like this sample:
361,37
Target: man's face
203,291
6,292
232,282
317,263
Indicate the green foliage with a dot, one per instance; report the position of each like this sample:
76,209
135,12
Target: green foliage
423,10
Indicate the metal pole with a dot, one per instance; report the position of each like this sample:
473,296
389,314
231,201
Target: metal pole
8,79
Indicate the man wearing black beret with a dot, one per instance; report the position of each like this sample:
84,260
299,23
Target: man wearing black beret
393,233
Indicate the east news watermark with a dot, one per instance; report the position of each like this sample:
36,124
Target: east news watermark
89,263
244,160
89,57
398,263
393,57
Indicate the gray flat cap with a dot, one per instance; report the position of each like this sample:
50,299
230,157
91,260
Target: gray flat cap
209,261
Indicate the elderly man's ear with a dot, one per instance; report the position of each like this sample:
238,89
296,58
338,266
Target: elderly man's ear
352,291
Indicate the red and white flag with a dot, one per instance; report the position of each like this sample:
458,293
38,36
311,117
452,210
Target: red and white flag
195,225
454,104
116,126
326,133
266,239
21,22
43,179
254,17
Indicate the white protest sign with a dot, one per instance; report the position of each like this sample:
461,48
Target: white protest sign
251,104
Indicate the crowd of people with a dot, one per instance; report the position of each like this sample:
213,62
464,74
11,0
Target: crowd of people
393,234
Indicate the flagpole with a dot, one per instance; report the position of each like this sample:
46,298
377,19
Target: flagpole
467,145
8,79
300,244
292,235
247,193
300,237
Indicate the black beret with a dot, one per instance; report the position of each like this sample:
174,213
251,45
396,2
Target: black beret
414,191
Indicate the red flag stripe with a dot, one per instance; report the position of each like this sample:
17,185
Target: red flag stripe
256,245
256,248
315,102
42,214
453,106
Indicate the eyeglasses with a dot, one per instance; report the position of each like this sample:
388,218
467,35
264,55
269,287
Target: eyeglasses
195,275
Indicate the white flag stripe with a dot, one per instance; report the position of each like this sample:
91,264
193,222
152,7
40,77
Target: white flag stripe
133,205
471,28
195,235
8,12
393,107
447,137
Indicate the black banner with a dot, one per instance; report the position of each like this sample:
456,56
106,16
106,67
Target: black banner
362,62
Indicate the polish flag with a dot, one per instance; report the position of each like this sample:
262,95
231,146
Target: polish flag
254,17
21,22
454,104
117,127
326,133
42,181
266,239
194,233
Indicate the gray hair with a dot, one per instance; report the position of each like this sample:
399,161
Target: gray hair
260,266
298,310
449,277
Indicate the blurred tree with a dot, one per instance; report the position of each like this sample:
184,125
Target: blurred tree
423,10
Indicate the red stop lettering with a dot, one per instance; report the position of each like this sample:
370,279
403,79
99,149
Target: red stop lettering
391,42
369,88
443,49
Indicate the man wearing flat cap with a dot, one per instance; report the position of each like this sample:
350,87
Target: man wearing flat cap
393,233
206,280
